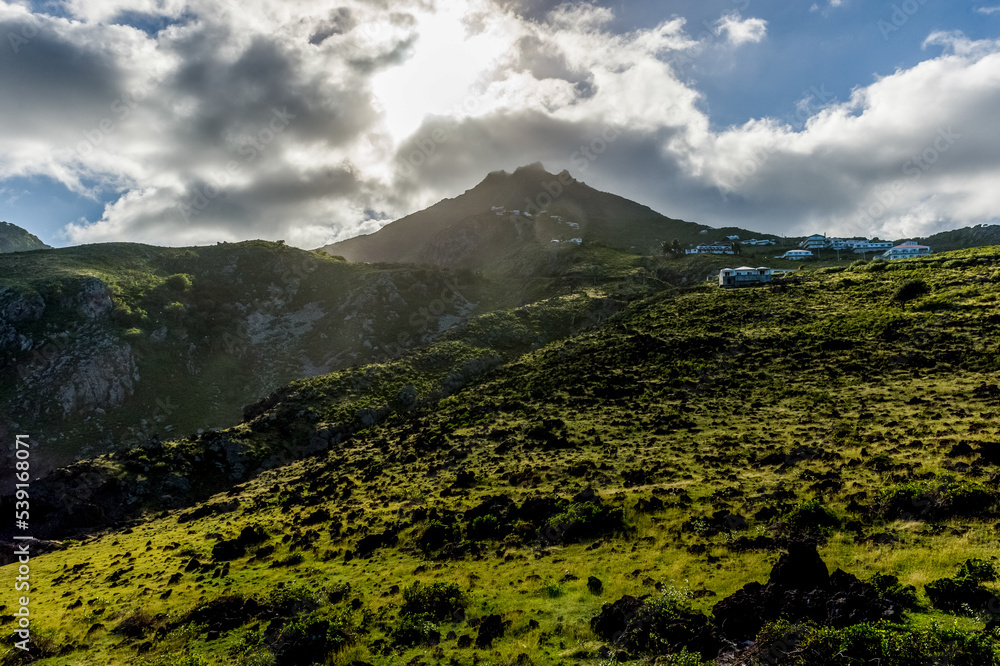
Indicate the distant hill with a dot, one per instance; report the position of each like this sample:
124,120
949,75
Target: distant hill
15,239
509,222
981,235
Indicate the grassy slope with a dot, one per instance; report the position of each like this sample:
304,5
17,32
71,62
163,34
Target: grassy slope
687,393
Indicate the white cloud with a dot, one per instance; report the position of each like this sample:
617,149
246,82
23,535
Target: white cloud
740,31
988,10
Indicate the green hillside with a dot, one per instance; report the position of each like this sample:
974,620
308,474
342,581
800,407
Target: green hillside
15,239
602,478
107,346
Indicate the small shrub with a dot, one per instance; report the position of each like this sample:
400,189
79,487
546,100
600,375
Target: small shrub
964,593
438,601
415,630
485,527
175,310
554,590
437,534
584,520
889,587
179,282
876,265
979,571
811,516
894,645
909,290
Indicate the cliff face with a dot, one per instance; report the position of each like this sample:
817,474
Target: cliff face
172,342
64,359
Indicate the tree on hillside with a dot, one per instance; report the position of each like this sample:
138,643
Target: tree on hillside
672,248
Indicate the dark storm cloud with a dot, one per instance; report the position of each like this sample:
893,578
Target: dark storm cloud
338,22
48,80
544,62
233,98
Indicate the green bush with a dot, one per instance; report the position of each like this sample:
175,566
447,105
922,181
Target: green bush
438,601
811,516
415,630
175,310
920,501
876,265
485,527
180,282
964,593
584,520
909,290
890,588
979,571
437,534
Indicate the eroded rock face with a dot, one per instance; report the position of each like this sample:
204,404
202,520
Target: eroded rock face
16,310
90,371
94,299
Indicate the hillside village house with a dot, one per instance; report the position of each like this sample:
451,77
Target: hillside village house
712,248
858,245
744,276
814,242
907,250
796,255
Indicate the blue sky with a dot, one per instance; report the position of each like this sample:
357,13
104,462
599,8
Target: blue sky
177,122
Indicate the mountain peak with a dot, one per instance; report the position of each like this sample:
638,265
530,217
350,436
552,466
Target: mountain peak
527,214
15,239
534,167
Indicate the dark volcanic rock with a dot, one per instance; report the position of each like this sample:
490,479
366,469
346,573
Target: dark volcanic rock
610,624
537,510
491,628
500,506
801,588
801,567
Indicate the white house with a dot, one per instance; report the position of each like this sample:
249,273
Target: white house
712,248
744,276
814,242
864,246
907,250
796,255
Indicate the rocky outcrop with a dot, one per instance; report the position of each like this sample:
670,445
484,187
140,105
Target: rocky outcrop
16,310
801,587
92,370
